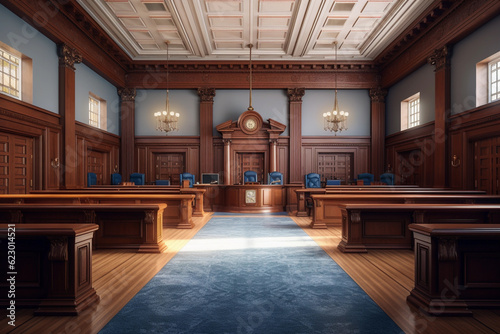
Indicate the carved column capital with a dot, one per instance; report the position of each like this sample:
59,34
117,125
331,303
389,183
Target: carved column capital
378,94
296,94
206,94
127,94
68,56
440,58
226,141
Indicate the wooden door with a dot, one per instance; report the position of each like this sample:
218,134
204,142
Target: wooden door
250,161
487,165
16,164
168,166
96,162
410,166
335,166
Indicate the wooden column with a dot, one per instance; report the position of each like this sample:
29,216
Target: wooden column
67,58
273,155
206,129
377,97
227,161
127,145
295,124
441,59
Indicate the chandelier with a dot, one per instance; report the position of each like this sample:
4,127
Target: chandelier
335,120
167,119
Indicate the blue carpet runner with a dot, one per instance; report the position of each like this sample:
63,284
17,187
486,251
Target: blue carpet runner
251,275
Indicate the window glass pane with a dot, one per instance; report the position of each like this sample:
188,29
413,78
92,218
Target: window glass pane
413,112
10,74
94,112
494,82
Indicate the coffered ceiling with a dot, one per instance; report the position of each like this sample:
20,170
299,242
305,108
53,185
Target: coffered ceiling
277,29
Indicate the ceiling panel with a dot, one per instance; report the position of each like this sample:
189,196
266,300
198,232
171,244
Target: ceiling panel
280,29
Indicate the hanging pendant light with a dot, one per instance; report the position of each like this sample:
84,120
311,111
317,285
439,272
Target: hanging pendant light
167,120
335,120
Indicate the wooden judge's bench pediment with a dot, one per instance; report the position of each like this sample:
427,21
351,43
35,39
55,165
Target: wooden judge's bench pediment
249,144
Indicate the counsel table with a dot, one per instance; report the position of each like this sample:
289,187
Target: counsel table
457,266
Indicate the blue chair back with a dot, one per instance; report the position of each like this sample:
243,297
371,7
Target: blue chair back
275,178
249,176
333,182
366,177
91,179
387,178
162,182
313,180
187,176
137,178
116,179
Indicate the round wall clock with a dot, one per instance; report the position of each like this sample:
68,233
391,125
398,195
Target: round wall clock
250,122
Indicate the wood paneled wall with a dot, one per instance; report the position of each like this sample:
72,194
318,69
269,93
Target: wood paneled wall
89,138
412,152
148,146
23,119
359,147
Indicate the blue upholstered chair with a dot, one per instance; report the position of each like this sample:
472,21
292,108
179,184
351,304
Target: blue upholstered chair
313,180
387,178
162,182
116,179
275,178
187,176
366,177
333,182
91,179
137,178
249,176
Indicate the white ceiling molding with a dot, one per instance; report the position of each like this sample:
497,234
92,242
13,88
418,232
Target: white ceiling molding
278,29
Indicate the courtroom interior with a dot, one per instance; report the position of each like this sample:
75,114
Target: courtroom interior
126,126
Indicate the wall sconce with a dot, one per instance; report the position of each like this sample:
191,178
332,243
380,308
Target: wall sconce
115,170
455,161
55,163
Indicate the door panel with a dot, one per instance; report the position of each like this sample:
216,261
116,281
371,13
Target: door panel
487,165
250,161
335,166
168,166
16,164
96,161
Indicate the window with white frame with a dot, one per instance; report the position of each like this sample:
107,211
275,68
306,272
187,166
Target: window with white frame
410,112
494,80
10,73
97,111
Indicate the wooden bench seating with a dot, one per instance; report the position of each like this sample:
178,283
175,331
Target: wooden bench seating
178,213
132,226
52,270
371,226
326,209
304,194
456,268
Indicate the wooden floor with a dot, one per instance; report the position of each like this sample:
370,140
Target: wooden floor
386,276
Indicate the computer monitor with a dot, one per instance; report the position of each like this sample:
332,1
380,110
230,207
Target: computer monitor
210,178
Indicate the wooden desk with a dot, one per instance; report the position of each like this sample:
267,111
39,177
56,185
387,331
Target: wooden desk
385,226
132,226
326,209
245,198
54,267
457,266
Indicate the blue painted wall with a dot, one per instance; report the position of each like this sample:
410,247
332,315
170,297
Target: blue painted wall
479,45
422,80
230,104
317,102
86,80
185,102
21,36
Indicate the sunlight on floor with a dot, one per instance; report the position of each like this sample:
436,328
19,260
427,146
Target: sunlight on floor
247,243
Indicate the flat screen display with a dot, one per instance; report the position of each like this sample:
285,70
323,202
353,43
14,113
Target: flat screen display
210,178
